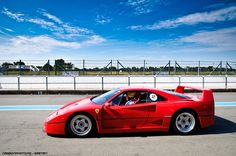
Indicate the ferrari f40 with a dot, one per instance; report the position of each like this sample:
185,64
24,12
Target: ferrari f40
134,109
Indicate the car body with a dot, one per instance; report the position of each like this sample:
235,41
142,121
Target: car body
110,112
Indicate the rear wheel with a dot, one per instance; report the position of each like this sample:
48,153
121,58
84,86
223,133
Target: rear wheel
80,125
184,122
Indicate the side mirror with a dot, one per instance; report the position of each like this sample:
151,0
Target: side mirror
108,104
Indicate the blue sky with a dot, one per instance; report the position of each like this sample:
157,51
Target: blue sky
113,29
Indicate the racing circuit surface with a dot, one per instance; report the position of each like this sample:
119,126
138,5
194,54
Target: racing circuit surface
21,131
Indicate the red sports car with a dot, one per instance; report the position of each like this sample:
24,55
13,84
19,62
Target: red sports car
134,110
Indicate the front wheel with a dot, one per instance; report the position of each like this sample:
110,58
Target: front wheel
184,122
80,125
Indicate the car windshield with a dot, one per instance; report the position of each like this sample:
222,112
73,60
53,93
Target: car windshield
177,94
104,97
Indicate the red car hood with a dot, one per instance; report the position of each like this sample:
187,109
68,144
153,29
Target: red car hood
65,111
82,103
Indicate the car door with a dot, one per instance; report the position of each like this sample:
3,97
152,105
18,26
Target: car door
157,107
125,116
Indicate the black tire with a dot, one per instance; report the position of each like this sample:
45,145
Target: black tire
185,122
77,122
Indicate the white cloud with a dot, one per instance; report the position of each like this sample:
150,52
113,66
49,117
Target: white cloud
199,45
44,24
75,30
100,19
42,44
95,39
63,38
225,14
222,39
2,32
215,41
68,29
140,7
31,45
16,16
50,16
19,17
6,29
56,25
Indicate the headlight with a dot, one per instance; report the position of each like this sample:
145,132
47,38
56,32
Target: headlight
53,115
61,112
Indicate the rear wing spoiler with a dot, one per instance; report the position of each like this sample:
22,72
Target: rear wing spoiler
207,95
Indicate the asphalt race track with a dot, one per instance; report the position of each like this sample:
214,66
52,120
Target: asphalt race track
21,133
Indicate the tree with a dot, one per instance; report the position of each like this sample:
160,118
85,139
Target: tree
68,65
19,63
6,65
47,67
60,65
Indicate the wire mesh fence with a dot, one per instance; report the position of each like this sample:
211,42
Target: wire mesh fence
116,67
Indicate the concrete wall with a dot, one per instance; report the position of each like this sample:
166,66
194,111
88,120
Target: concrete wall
109,82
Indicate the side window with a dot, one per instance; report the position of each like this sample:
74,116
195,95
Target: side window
143,97
152,97
117,100
130,98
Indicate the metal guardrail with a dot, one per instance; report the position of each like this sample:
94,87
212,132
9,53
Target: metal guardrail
101,82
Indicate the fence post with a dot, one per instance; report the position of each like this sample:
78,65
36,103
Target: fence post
117,68
226,68
226,82
46,83
20,68
179,80
128,80
155,80
169,67
55,67
74,83
175,68
18,82
111,67
144,66
203,82
48,67
221,67
102,83
198,70
83,67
